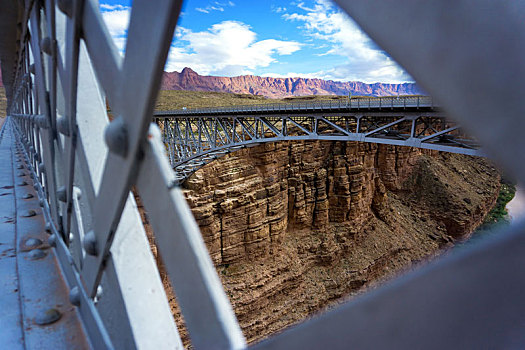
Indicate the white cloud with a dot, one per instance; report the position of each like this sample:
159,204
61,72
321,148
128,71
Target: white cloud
279,9
116,18
215,6
291,75
227,48
365,62
107,7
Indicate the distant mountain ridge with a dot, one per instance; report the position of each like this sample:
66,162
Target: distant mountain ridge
281,87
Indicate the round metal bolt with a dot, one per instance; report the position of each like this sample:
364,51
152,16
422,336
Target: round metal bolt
27,196
62,194
99,293
32,68
42,122
66,6
71,236
63,125
116,137
52,240
47,45
29,213
47,317
36,254
48,227
77,191
41,168
74,296
33,242
41,202
90,243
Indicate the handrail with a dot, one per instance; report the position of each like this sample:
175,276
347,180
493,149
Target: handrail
401,102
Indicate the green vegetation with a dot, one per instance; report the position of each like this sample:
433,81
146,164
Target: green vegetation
496,218
499,215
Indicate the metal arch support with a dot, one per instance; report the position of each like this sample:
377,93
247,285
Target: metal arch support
413,122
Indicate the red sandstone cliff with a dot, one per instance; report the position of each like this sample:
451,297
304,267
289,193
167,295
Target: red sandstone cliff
280,87
294,226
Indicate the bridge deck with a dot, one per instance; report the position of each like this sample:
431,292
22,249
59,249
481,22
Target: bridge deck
367,104
33,291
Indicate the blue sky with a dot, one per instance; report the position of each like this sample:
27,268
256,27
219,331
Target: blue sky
311,39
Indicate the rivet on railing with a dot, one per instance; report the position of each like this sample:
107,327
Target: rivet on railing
90,243
100,290
42,122
36,254
52,240
63,125
62,194
74,296
41,168
116,137
47,45
47,317
29,213
33,242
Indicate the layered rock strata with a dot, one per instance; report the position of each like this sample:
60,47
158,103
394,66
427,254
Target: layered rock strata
190,80
293,227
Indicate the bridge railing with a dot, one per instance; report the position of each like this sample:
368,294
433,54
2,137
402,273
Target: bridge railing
355,103
84,167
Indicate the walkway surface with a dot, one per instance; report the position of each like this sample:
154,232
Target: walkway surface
36,312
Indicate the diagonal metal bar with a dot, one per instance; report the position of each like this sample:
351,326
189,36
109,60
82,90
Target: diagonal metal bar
291,120
385,127
437,134
335,126
207,312
149,37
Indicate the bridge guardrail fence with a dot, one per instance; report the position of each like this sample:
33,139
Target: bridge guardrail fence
83,169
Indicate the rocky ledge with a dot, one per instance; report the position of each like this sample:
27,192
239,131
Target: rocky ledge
295,227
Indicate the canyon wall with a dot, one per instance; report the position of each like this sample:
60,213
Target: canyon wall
295,226
188,79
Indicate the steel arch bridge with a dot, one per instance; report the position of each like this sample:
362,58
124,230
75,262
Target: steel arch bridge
76,269
196,137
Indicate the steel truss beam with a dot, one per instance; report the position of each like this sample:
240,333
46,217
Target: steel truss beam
194,138
469,300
